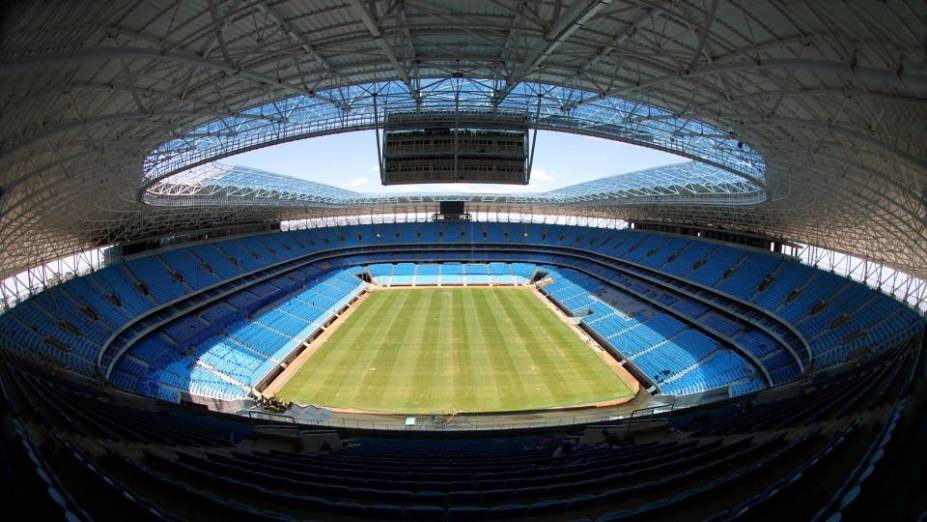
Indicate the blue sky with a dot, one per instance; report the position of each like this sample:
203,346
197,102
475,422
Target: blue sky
350,161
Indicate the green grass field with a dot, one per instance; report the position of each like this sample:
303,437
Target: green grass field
442,350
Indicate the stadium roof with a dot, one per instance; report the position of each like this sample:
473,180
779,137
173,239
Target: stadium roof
363,106
822,105
221,185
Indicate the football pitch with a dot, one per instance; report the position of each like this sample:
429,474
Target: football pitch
444,350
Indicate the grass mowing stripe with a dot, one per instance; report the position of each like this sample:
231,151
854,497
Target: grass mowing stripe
360,348
387,349
573,372
429,371
530,353
343,362
452,349
508,372
563,356
367,349
394,363
444,384
468,391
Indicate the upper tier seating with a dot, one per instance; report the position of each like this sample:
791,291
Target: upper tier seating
67,325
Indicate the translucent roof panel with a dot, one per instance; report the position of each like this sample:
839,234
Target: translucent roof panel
364,106
684,183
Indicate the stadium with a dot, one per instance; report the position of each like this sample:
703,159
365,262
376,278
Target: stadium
738,335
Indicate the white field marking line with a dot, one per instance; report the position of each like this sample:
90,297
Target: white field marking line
589,342
593,345
313,347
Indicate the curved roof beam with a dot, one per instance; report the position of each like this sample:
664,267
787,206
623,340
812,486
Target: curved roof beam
297,38
153,54
579,12
872,73
367,18
624,36
696,111
63,127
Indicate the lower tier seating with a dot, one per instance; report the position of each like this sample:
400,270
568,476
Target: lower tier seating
418,274
235,347
675,357
74,451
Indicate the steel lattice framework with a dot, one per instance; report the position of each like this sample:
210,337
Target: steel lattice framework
688,183
547,107
829,98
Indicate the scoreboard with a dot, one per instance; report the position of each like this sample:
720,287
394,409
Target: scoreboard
455,147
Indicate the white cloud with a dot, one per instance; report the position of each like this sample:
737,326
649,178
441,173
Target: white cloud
358,182
541,175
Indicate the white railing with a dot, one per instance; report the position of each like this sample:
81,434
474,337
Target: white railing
900,285
480,216
24,285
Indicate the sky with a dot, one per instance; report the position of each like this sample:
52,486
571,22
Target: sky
349,161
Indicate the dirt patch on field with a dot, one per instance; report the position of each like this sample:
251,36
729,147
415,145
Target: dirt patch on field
277,384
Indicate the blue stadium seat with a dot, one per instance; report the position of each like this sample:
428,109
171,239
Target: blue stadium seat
70,323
